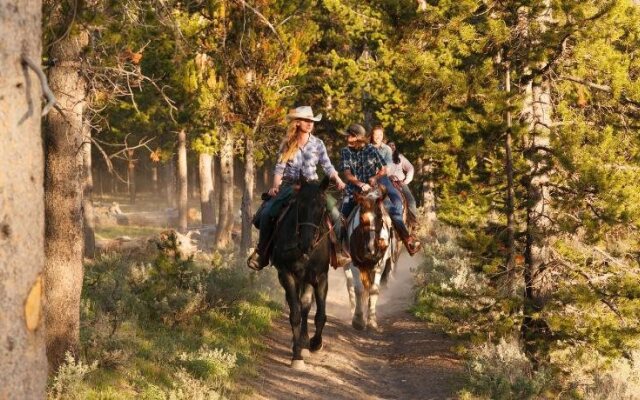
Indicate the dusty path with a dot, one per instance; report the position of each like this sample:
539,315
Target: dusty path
403,361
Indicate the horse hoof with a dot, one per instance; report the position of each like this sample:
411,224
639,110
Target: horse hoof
305,353
357,324
373,325
315,346
297,364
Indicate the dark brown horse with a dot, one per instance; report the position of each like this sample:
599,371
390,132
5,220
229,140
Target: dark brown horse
301,256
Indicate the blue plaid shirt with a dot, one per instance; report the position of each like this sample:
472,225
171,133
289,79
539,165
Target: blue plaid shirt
306,160
363,163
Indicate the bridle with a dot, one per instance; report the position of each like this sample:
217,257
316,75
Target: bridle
317,227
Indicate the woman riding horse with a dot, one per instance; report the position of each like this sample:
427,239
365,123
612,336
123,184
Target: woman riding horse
300,154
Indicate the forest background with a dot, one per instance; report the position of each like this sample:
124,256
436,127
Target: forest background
522,118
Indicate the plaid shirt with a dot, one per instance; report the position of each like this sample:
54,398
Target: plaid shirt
306,160
363,163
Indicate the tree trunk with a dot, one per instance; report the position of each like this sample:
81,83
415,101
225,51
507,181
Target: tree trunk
63,199
266,175
225,218
22,336
194,182
88,218
510,207
131,176
154,178
538,286
170,182
538,200
247,195
183,193
206,189
428,196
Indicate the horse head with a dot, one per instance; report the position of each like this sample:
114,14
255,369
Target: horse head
372,215
310,212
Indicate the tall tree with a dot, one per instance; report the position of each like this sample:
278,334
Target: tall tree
183,194
226,214
63,185
22,334
88,218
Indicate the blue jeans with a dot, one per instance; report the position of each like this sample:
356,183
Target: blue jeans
411,201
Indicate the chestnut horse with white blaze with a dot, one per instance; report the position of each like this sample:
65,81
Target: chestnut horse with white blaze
369,235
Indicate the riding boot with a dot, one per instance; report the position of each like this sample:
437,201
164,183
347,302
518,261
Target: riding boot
260,257
342,255
410,242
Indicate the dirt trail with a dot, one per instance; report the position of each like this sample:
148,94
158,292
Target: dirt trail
405,360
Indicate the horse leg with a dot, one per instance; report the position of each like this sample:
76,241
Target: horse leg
361,299
306,299
288,282
348,274
386,273
321,312
374,292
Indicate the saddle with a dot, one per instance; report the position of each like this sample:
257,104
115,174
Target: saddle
283,211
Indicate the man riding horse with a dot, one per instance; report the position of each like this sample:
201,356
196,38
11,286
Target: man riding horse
364,168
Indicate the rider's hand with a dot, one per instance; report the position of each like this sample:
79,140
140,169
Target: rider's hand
274,191
365,187
340,184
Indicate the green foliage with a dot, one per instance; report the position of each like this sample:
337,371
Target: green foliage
68,381
168,328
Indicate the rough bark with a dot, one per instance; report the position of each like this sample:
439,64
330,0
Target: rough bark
538,198
247,195
537,111
63,199
225,218
206,189
183,193
22,341
88,218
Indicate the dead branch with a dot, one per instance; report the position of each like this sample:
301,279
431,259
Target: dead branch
602,88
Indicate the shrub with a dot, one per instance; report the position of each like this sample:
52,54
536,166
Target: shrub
69,380
503,371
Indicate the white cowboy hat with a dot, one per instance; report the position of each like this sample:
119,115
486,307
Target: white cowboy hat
304,112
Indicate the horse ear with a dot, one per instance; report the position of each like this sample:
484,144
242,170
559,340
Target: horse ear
325,183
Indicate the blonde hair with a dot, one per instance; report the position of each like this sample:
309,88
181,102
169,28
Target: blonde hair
289,145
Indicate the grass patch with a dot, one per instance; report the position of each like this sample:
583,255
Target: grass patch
114,231
166,329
